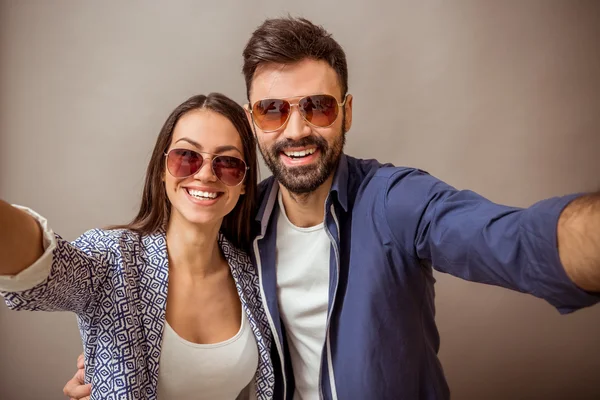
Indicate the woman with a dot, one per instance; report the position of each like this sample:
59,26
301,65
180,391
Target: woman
168,305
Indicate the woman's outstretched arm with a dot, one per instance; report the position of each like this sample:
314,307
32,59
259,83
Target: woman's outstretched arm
20,240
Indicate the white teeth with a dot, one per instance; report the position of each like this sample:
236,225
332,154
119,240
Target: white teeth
302,153
202,195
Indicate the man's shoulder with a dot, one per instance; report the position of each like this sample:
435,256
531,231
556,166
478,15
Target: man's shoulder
372,171
372,182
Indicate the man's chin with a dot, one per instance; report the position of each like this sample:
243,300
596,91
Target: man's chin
300,182
298,171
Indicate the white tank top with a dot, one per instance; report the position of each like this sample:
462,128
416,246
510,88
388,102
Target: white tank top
206,371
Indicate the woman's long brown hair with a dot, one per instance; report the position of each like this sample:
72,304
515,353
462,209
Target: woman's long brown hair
155,208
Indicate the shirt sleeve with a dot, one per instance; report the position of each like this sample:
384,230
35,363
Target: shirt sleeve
66,277
466,235
39,270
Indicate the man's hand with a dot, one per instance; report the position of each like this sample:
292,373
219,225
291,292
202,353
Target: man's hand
75,388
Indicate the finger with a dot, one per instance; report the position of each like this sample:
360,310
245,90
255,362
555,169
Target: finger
80,376
76,390
70,383
80,361
81,391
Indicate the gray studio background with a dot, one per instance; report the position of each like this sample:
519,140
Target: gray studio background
499,97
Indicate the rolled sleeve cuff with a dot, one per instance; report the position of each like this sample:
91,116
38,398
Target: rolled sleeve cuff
554,284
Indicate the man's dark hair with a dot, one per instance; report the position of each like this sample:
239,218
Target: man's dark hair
290,40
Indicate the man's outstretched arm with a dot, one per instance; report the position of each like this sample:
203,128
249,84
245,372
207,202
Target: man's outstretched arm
550,249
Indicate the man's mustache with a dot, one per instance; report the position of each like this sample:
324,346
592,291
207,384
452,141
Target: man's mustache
316,141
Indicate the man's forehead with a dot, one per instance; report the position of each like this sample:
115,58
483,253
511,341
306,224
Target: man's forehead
291,80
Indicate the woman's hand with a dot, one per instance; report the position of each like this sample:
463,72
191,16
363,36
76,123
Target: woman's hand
76,389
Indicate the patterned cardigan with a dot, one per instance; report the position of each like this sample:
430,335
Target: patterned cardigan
116,283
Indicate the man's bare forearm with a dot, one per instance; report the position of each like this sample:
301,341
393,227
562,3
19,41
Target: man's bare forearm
20,240
579,241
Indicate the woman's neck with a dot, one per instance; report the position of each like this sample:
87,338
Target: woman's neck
194,248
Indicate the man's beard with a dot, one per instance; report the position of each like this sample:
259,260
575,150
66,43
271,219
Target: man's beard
304,179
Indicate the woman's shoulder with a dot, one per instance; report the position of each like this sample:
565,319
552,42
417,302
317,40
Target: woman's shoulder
108,235
123,246
106,239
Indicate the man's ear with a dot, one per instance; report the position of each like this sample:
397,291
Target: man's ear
348,111
248,113
250,118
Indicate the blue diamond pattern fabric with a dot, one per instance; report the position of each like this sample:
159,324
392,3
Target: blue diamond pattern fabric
116,282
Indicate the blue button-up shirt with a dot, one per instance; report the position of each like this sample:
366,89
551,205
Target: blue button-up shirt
389,227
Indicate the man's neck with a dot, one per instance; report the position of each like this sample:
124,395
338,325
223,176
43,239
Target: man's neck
308,209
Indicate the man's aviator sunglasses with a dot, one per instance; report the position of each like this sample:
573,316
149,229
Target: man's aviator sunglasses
320,111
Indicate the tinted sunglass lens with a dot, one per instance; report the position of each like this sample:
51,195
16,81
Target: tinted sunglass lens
270,114
320,110
182,163
229,170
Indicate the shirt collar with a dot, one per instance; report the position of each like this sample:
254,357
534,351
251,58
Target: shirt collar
339,187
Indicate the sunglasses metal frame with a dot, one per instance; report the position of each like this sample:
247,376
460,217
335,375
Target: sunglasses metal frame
204,159
251,110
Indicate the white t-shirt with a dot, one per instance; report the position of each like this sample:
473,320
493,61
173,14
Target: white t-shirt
206,371
303,295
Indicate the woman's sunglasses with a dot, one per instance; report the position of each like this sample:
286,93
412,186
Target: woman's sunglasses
182,163
320,110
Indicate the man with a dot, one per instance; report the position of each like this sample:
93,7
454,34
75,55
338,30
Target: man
345,248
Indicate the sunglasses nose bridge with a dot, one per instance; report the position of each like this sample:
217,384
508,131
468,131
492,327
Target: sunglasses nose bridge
289,115
206,171
296,126
298,110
